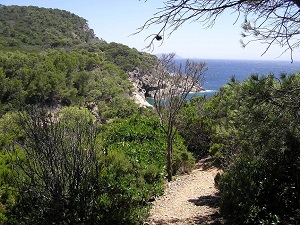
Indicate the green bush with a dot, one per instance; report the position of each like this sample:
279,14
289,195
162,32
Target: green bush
143,139
60,78
108,180
256,137
127,190
195,127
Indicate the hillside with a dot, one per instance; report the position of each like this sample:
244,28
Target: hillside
41,27
34,29
80,119
52,57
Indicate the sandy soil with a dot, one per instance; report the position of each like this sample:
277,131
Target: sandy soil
189,199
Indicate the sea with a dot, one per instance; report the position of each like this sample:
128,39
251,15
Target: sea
220,71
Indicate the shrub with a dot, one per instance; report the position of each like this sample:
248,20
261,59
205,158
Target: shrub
258,138
143,139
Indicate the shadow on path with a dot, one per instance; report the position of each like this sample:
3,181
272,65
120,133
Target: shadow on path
208,200
206,163
213,219
212,202
207,210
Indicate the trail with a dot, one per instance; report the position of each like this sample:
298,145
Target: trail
189,199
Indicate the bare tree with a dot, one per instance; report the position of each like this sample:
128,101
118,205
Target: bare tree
57,168
271,22
174,83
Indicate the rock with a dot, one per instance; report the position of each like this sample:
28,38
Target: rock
140,99
146,84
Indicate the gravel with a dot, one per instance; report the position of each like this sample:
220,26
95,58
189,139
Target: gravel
189,199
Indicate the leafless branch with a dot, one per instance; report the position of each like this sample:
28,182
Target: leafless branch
272,22
58,160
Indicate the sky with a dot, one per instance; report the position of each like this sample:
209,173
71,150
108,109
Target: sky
117,20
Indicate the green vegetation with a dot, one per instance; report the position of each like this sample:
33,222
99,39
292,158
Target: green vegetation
265,122
137,145
66,168
57,77
252,130
32,27
143,138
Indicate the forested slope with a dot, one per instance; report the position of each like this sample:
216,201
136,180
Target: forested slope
52,57
41,27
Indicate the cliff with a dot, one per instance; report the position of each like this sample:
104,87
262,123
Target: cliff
145,84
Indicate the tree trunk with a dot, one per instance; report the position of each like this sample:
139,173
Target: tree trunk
169,159
170,150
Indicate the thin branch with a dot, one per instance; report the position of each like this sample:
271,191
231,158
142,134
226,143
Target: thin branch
279,20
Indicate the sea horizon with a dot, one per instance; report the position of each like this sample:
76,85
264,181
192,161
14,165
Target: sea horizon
220,71
277,60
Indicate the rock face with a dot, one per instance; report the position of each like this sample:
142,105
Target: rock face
140,99
146,84
142,84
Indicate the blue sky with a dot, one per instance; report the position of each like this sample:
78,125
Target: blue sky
115,21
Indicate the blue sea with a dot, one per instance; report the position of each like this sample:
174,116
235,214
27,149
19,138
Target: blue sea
221,70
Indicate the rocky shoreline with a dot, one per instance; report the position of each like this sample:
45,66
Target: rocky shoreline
145,86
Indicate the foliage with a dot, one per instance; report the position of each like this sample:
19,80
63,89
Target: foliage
195,126
22,26
9,132
127,58
57,81
57,77
84,72
252,130
56,179
108,180
64,174
143,139
256,138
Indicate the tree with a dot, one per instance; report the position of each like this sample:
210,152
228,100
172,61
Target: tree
174,83
271,22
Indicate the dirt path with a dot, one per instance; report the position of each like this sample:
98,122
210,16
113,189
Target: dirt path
188,200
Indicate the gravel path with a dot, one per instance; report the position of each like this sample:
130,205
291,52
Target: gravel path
189,199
